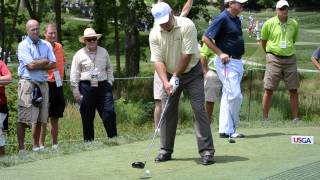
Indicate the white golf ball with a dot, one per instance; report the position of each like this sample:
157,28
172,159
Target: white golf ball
147,172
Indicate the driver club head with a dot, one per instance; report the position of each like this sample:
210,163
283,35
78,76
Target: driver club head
138,165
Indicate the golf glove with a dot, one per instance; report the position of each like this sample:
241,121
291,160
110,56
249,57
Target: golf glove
174,82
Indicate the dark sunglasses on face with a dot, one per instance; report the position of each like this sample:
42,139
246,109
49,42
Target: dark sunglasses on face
283,8
90,39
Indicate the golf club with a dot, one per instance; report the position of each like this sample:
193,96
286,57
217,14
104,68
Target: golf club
140,164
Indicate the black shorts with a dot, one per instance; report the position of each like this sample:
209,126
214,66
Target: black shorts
56,100
4,109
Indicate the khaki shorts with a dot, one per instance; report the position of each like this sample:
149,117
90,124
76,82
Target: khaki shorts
212,86
278,68
27,113
157,87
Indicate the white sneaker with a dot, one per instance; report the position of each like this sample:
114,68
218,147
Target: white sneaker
55,147
36,149
41,148
237,135
157,130
296,120
22,152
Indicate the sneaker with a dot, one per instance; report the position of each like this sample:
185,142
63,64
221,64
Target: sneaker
22,152
41,148
55,147
296,120
207,160
36,149
237,135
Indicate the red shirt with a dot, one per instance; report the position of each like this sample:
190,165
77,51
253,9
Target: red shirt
60,61
3,71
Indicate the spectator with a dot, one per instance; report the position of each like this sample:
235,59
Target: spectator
36,57
5,79
228,44
212,83
91,79
278,36
56,97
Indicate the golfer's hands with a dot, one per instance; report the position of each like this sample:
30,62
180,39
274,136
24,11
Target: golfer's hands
173,85
224,58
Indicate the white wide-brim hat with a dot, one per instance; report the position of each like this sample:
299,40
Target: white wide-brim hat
89,32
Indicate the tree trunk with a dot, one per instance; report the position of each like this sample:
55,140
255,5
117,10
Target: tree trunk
117,49
132,45
30,11
39,12
57,8
14,22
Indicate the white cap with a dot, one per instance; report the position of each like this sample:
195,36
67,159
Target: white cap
282,3
239,1
161,12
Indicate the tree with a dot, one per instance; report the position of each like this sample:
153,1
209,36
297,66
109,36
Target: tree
57,9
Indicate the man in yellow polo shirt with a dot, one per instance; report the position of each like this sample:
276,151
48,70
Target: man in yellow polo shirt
278,36
174,51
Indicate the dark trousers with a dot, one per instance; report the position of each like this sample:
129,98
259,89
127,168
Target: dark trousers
99,98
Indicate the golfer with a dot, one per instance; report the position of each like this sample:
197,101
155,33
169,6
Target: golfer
228,44
174,51
278,36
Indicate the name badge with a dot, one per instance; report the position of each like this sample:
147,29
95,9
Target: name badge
283,44
57,77
94,80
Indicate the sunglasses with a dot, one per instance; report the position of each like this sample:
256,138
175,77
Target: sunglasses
90,39
283,8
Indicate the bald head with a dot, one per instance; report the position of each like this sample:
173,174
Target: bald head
32,27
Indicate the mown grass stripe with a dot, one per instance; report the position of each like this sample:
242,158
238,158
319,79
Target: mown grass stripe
308,171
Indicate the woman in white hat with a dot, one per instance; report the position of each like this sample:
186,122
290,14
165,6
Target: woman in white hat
91,79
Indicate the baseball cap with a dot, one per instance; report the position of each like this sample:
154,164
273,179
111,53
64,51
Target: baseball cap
282,3
161,12
239,1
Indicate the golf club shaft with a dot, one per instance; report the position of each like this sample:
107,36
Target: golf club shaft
155,132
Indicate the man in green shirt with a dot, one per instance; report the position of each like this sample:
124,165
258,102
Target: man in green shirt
278,36
212,83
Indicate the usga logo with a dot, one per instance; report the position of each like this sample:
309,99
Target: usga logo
302,140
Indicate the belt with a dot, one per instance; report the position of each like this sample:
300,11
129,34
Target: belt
279,55
34,81
235,57
99,82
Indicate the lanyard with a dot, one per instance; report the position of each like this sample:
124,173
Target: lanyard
284,31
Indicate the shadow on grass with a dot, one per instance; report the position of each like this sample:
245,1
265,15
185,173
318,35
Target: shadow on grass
266,135
217,159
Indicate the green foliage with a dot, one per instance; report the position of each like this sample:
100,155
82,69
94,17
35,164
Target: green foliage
133,113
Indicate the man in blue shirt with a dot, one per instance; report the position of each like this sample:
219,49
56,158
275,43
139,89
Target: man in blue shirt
224,37
35,58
